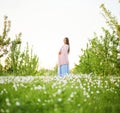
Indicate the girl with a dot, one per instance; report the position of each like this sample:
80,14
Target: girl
63,62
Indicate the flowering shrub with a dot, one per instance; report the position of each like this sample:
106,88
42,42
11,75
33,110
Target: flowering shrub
51,94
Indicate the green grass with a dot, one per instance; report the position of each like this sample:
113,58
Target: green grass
50,94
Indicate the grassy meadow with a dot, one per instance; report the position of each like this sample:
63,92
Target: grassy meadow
51,94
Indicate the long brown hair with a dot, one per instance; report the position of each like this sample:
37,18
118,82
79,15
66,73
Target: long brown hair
68,43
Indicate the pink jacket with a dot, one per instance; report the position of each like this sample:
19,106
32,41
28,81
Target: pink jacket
63,55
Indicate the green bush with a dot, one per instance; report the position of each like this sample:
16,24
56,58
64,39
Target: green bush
22,63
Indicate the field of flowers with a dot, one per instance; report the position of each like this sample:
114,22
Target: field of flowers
51,94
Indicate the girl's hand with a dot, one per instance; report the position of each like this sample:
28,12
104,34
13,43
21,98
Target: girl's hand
59,53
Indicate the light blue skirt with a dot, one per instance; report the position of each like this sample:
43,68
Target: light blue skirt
63,70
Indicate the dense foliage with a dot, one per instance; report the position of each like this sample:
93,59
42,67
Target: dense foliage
102,55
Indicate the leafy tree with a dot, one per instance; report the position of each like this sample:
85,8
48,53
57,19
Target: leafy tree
17,62
101,54
111,20
6,42
115,25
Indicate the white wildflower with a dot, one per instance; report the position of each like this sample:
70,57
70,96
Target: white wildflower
7,111
2,110
92,92
78,105
17,103
15,87
54,95
43,104
81,86
59,99
69,99
45,92
8,104
106,86
39,100
72,86
72,95
117,84
5,90
88,96
7,101
97,92
76,87
59,91
38,87
54,85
